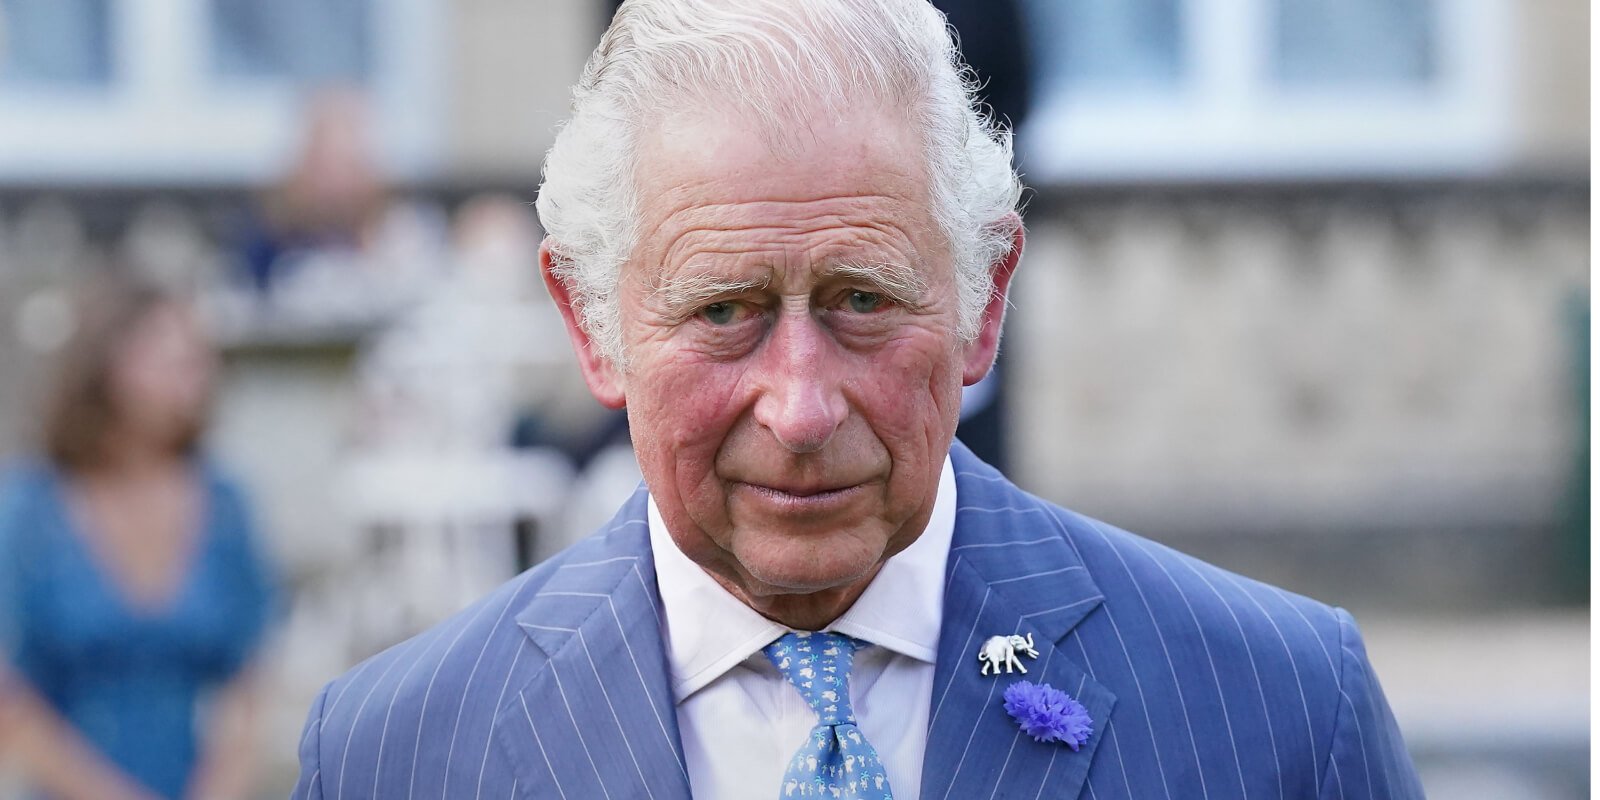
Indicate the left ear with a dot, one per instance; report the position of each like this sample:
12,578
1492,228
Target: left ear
979,353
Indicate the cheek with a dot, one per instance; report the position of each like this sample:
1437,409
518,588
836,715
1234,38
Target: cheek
912,391
681,412
685,404
188,381
139,393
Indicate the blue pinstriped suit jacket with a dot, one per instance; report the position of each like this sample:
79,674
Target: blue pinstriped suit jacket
1201,684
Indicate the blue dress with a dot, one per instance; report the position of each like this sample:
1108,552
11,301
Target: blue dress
131,681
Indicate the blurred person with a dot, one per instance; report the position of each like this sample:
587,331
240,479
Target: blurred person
332,198
781,235
132,594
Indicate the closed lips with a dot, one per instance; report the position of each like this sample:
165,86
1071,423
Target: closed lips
799,491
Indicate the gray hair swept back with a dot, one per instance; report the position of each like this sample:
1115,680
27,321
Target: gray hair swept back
758,54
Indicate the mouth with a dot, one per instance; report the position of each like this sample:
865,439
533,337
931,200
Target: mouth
801,499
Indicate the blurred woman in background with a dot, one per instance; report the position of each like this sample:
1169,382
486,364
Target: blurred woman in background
132,596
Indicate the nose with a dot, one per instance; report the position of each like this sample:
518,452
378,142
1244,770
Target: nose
800,402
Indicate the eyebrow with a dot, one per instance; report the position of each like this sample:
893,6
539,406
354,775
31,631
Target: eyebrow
899,281
689,291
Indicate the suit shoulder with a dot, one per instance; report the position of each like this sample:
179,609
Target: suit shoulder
1235,614
407,712
448,657
443,657
458,659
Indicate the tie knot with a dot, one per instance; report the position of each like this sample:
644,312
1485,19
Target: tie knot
818,665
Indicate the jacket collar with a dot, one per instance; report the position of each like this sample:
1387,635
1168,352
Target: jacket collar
596,694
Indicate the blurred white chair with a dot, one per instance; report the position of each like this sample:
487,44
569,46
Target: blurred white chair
437,526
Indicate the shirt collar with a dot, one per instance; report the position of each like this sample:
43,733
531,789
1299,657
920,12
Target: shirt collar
708,631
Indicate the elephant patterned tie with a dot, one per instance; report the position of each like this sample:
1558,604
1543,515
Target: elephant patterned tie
836,761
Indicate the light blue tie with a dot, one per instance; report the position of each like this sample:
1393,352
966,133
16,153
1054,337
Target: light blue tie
836,761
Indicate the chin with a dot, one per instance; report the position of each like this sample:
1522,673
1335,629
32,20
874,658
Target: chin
799,565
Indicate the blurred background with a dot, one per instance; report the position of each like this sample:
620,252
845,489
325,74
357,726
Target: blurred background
1306,294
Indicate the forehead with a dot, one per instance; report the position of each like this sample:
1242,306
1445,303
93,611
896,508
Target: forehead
707,172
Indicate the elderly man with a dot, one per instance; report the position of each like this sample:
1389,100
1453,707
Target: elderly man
782,237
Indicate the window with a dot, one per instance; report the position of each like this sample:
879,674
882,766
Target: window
55,43
1121,43
185,91
1268,89
1347,42
301,41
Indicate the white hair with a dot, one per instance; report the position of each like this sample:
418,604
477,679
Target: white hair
761,55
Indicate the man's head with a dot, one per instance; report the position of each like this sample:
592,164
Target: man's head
782,236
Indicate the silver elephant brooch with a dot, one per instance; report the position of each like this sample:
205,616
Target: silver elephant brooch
1001,651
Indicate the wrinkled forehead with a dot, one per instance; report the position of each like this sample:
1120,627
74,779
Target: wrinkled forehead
704,166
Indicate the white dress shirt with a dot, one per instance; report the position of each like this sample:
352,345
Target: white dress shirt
741,722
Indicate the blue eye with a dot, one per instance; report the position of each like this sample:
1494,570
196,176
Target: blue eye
719,313
865,302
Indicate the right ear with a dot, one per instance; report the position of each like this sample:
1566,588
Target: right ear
598,372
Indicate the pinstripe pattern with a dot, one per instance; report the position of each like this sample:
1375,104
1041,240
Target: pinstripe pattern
527,693
1201,684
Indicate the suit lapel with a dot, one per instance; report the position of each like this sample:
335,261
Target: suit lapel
1011,570
591,713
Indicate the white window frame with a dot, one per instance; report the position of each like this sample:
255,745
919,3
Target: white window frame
165,117
1227,119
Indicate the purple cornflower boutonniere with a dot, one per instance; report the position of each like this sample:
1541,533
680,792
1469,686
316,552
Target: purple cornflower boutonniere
1048,714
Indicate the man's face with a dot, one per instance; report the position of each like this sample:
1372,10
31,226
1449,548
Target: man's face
794,371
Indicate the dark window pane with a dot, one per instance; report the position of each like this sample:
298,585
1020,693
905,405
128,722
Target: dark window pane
55,42
302,41
1354,42
1107,43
